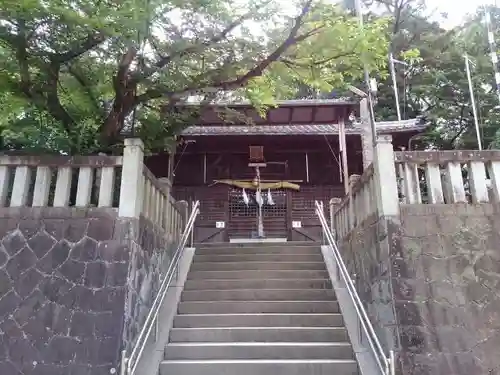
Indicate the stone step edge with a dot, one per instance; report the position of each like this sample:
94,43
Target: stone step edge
259,361
259,344
269,328
264,314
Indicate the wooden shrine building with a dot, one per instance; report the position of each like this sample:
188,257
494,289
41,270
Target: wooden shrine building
300,143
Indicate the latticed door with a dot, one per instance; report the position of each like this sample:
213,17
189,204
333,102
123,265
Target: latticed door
243,217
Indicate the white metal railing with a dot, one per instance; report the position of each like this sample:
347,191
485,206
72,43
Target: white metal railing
129,364
384,362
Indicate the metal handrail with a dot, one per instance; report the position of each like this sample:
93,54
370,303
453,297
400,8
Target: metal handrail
129,364
385,363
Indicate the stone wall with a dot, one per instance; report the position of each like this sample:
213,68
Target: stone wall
150,255
431,284
75,285
448,289
365,252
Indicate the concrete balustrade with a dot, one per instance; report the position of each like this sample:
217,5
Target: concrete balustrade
371,194
48,181
120,182
446,177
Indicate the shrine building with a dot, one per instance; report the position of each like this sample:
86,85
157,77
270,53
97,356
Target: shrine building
298,148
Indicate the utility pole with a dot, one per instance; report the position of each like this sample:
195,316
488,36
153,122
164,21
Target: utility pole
473,102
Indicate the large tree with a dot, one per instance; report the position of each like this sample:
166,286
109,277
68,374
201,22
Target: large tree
75,75
435,84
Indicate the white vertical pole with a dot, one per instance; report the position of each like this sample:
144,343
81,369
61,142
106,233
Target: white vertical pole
473,102
205,168
343,149
367,78
395,85
307,167
493,50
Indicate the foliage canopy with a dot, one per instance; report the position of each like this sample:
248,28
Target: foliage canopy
76,75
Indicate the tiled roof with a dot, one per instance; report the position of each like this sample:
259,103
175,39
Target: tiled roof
293,102
383,127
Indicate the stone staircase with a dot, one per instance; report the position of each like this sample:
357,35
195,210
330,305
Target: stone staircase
265,309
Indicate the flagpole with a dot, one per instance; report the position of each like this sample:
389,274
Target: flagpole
493,51
367,78
394,85
473,102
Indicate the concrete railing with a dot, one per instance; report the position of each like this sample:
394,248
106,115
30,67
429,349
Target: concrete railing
438,177
50,180
358,205
159,206
371,194
416,177
121,182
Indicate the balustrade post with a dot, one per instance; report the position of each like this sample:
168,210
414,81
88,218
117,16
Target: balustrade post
385,177
366,133
353,179
132,181
334,219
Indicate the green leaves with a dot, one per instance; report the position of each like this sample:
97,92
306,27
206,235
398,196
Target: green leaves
74,72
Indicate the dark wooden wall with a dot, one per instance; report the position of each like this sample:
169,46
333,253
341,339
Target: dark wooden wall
227,158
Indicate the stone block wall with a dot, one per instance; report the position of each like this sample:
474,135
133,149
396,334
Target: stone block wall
75,286
430,280
365,252
447,289
150,255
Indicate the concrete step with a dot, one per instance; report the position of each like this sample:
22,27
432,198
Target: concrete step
259,295
259,350
259,334
238,307
280,249
228,266
258,320
258,274
205,284
260,367
211,245
259,257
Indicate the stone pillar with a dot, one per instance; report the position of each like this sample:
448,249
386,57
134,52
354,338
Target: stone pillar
167,184
385,177
334,205
132,182
366,134
183,208
353,179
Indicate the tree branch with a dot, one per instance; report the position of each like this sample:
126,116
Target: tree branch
164,61
81,79
316,63
91,41
22,59
54,105
242,80
7,37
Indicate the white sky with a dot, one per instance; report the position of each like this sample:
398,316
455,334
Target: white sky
456,9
